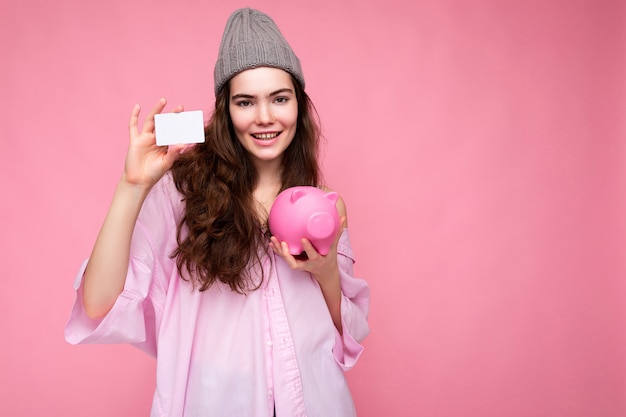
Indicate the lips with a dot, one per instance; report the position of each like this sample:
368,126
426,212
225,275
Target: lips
265,136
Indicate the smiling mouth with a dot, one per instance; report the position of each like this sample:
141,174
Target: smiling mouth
265,136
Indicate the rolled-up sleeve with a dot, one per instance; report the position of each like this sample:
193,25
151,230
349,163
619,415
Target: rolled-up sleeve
132,319
135,315
354,308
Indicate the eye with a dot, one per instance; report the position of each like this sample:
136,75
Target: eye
243,103
281,100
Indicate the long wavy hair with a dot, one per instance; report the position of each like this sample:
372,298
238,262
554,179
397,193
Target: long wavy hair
220,237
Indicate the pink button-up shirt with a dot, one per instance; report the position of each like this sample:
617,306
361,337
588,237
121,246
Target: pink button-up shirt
220,353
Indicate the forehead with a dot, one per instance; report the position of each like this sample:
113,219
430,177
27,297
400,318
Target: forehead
260,81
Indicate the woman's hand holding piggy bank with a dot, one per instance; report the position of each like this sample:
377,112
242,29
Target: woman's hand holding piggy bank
305,212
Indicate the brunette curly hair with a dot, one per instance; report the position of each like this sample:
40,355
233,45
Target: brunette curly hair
220,237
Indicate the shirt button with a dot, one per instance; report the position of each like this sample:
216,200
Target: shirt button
269,343
270,393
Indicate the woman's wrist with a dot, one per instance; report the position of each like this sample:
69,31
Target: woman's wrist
131,188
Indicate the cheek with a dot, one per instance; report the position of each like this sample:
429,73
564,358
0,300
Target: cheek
290,116
240,122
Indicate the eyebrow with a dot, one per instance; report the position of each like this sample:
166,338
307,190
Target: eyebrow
272,94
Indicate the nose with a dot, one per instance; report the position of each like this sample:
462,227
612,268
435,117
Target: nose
264,115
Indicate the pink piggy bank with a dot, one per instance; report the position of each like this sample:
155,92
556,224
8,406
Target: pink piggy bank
305,212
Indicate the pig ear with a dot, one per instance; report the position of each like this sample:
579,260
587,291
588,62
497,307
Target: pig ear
297,195
332,196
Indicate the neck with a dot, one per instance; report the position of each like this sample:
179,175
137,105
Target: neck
267,188
269,173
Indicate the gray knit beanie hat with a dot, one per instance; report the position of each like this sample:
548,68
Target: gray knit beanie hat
251,39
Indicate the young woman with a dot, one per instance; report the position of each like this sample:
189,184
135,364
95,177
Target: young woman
186,269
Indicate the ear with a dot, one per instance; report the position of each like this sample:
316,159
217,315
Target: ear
332,196
297,194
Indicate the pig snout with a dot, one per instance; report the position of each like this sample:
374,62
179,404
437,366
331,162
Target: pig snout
321,225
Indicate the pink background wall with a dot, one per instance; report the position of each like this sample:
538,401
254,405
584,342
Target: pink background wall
480,147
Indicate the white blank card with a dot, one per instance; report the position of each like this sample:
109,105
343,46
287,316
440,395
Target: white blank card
176,128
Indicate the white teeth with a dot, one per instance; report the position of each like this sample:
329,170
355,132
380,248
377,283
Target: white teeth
265,136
